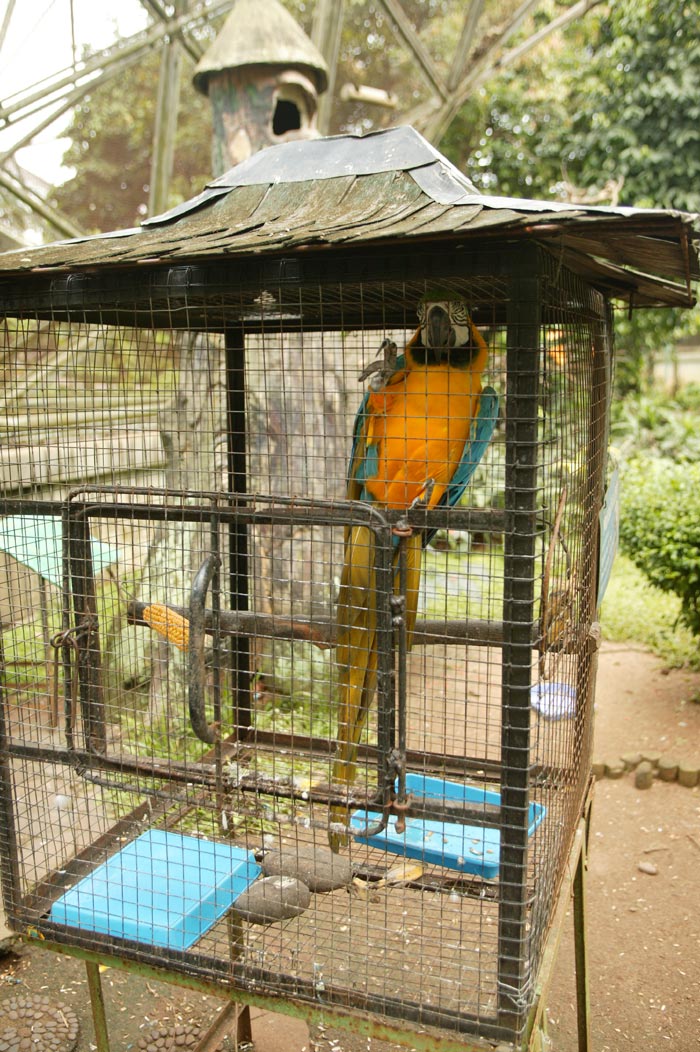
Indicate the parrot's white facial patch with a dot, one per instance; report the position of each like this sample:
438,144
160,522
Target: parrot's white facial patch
453,331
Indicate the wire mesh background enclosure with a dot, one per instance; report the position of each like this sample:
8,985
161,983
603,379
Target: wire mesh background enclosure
173,491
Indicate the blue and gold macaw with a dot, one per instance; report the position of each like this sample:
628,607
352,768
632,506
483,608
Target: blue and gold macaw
419,434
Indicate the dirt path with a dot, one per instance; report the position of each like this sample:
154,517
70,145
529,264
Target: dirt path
643,930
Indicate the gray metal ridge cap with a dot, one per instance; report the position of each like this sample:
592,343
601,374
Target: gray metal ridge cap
524,204
208,194
399,149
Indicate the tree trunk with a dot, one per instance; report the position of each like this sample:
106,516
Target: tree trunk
190,430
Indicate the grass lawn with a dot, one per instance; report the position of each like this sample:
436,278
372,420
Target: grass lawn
635,611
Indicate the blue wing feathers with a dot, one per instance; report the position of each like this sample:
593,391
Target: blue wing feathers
364,459
483,429
474,450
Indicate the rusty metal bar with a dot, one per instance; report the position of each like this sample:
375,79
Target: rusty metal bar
230,1015
197,676
347,1016
253,985
252,508
204,775
86,633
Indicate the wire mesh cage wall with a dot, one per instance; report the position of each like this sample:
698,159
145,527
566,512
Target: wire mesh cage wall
174,472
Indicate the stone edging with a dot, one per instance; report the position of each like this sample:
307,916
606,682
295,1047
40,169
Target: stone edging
647,767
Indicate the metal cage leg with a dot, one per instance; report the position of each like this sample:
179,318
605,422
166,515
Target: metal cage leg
97,1004
583,1004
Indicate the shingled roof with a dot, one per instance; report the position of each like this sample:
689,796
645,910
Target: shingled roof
382,189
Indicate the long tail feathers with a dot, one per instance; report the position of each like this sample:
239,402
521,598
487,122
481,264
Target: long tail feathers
356,653
355,658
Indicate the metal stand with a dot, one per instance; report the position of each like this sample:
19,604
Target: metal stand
237,1012
573,892
582,994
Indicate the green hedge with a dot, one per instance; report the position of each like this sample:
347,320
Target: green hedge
660,528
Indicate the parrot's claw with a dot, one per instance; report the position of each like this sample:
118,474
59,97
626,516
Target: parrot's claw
423,498
401,527
381,369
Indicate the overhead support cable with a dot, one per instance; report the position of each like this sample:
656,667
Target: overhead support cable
406,31
62,223
102,60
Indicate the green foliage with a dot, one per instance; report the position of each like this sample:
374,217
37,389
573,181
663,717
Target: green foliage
641,87
458,585
25,645
615,96
507,137
301,678
160,736
660,528
614,99
658,426
639,340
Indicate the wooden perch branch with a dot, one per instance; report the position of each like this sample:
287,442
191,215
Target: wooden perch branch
321,632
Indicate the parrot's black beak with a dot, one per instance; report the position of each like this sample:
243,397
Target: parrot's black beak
439,333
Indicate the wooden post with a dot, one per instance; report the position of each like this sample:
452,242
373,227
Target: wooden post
166,122
325,34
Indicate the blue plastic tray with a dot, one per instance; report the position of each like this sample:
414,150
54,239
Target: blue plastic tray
163,889
469,849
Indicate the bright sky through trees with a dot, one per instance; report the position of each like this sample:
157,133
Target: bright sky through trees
39,42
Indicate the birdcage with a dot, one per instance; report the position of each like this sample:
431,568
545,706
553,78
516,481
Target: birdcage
180,404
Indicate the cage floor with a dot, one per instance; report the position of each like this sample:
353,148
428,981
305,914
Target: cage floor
403,939
435,950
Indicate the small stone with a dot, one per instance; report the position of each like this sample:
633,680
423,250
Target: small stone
644,775
668,769
317,867
598,769
271,899
652,757
689,774
648,867
631,760
614,768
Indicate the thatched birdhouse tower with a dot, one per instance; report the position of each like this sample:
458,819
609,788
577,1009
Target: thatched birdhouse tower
263,76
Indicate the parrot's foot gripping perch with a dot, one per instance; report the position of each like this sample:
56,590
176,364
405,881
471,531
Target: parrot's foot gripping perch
381,369
402,528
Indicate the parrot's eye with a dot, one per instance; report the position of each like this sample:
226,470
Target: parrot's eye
458,312
421,312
